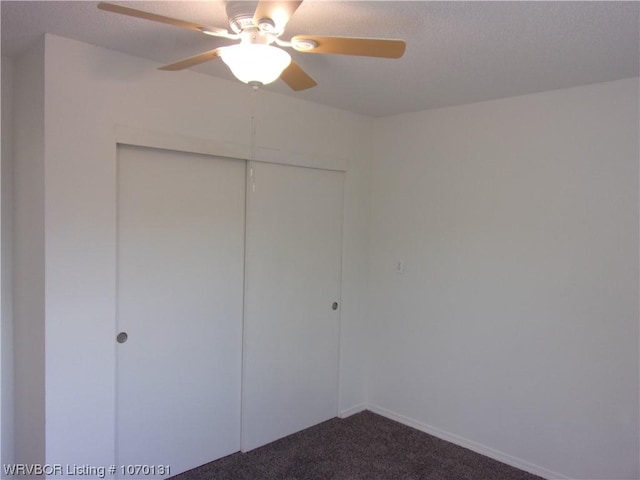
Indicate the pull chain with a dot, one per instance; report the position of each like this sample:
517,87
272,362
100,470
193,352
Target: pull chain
254,101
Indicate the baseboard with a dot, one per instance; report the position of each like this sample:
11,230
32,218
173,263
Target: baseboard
471,445
352,410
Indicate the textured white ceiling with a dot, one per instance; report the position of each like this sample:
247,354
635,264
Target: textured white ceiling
457,52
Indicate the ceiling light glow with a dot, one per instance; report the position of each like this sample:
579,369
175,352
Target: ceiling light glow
255,63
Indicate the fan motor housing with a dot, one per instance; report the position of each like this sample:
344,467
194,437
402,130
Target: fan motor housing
240,14
256,37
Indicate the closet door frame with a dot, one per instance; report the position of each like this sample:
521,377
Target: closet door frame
136,137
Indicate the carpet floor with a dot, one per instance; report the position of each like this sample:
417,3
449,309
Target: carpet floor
364,446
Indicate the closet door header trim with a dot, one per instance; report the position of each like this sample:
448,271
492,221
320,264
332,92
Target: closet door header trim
171,141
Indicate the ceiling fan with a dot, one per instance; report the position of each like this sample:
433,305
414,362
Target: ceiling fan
256,60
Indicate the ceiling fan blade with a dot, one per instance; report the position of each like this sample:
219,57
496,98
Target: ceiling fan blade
192,61
365,47
296,78
280,11
132,12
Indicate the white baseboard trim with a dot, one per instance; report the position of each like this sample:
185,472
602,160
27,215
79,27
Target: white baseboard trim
471,445
352,410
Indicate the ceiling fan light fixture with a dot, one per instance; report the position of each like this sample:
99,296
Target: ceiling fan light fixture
267,25
255,63
304,45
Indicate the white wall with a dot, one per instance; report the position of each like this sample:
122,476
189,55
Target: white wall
91,93
29,255
514,329
6,280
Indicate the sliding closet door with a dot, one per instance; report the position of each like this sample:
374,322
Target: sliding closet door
180,299
291,334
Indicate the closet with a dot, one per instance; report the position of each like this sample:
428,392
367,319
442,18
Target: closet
228,292
291,354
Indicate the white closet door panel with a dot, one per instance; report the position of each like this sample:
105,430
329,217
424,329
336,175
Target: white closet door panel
180,298
291,334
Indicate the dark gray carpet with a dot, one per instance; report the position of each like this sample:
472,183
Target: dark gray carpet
365,446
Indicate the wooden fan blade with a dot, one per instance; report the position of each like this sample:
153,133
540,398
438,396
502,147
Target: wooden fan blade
365,47
192,61
296,78
280,11
132,12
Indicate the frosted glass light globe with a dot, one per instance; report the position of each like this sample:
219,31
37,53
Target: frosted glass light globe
255,64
